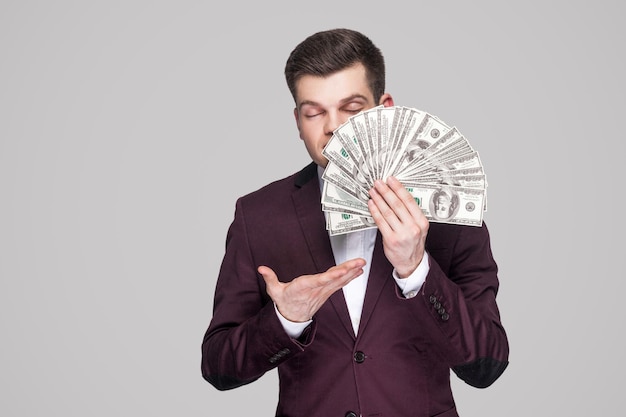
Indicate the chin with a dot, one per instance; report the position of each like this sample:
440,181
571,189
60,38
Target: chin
321,161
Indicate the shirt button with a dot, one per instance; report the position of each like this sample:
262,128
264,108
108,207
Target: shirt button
411,294
359,357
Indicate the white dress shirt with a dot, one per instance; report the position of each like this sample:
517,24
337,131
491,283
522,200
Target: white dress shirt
359,244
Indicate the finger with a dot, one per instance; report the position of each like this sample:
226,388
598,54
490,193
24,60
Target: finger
339,275
386,203
407,199
353,263
376,214
397,197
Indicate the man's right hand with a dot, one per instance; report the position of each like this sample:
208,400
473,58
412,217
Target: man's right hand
300,299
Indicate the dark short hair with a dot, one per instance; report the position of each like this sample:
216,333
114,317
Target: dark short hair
327,52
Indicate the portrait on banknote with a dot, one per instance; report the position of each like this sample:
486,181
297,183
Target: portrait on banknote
444,204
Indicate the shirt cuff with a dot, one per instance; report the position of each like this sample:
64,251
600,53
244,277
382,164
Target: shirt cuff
293,329
410,285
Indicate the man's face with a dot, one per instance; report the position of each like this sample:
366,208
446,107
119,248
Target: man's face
324,103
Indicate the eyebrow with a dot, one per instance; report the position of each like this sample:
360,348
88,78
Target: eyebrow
342,101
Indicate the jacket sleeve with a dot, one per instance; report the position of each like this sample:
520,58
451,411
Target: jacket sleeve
458,304
245,338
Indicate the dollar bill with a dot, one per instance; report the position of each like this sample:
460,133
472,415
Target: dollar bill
446,177
365,144
339,223
442,145
450,204
429,131
337,154
346,182
336,199
412,123
466,181
350,143
437,164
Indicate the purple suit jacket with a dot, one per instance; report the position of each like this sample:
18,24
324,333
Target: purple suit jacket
399,364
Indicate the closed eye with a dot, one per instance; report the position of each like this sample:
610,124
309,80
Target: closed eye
353,107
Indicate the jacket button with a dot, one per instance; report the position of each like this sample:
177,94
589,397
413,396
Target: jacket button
445,317
432,299
351,414
359,357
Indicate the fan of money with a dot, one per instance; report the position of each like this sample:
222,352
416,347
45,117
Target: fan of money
434,162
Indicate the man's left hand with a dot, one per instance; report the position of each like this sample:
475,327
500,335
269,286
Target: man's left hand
402,225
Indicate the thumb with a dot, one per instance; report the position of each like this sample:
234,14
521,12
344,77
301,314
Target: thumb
268,274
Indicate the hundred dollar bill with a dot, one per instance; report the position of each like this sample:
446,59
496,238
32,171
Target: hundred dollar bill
450,204
339,223
456,161
371,127
351,142
459,146
412,124
336,199
429,131
410,163
364,143
470,160
337,154
439,176
447,177
466,181
394,138
333,174
387,123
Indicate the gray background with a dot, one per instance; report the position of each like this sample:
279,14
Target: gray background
129,128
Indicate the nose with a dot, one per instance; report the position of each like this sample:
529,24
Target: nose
332,122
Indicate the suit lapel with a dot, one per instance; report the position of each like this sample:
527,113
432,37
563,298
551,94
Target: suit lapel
380,276
307,204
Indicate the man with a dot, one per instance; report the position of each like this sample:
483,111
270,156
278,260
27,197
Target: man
362,324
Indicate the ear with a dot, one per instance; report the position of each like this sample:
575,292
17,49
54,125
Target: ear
296,115
386,100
